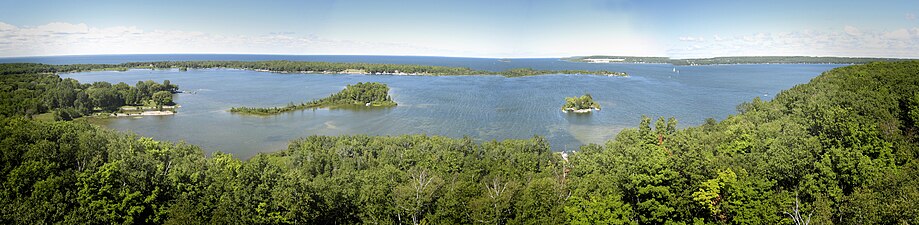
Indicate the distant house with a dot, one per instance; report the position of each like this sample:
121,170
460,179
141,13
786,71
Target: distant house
604,60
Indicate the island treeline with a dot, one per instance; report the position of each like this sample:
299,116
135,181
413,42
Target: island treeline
841,149
733,60
370,94
37,93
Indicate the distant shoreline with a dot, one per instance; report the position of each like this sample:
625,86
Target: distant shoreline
736,60
286,66
504,73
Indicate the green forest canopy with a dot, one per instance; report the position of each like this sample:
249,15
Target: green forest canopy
841,149
360,94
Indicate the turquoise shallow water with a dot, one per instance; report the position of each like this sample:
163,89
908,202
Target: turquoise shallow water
480,107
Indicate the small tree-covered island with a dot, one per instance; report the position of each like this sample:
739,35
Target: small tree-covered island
369,94
582,104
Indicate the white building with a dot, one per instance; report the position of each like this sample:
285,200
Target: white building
603,60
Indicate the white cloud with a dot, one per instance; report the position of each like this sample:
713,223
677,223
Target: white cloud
900,34
692,39
61,38
6,26
848,41
910,16
852,30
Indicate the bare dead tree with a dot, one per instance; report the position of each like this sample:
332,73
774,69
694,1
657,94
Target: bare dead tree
795,214
422,186
495,190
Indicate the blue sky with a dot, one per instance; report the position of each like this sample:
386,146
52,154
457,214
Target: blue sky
680,29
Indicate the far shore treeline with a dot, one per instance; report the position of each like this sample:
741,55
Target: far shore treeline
283,66
841,149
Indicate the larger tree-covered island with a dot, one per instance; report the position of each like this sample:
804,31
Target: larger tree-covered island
369,94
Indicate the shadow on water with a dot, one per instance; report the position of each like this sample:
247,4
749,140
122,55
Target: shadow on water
360,108
579,118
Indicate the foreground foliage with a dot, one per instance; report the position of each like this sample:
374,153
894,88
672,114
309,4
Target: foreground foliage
361,94
841,149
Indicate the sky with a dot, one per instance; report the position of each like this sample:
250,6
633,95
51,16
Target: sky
469,28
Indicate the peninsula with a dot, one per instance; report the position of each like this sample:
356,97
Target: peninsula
368,94
582,104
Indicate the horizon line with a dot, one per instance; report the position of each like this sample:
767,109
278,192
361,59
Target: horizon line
447,56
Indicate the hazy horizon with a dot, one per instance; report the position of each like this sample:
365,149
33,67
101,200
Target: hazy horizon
441,56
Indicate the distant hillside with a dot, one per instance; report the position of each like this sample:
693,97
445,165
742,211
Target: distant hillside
618,59
732,60
780,60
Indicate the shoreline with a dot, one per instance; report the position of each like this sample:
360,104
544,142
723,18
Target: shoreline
128,111
361,72
358,72
573,110
145,113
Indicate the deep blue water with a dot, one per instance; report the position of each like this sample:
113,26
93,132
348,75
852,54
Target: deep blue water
481,107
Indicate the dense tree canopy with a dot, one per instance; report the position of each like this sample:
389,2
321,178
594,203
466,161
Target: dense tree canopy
841,149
